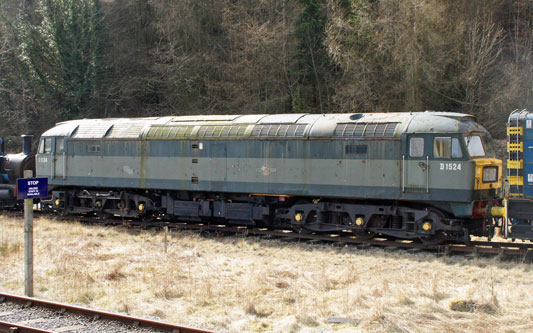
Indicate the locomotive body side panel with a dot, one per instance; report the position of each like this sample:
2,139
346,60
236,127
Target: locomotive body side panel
318,168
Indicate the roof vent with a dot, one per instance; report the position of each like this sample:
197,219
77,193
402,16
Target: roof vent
356,116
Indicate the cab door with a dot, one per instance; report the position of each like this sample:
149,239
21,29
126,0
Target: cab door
59,158
45,158
415,165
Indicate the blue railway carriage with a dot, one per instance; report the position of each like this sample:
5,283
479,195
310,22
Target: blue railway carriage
427,175
518,203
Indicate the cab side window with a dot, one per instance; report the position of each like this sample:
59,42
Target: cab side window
46,146
60,145
446,147
416,147
456,149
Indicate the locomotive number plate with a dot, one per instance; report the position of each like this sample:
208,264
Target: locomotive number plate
451,166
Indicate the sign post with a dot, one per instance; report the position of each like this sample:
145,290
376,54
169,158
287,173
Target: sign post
27,189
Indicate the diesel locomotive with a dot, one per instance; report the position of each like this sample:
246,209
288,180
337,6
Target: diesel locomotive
425,175
517,210
12,166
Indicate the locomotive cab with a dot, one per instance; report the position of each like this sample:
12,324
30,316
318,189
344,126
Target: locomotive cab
452,166
488,170
52,156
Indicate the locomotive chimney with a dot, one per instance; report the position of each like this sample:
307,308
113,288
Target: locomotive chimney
26,144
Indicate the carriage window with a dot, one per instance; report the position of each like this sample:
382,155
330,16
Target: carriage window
474,146
60,145
416,147
46,146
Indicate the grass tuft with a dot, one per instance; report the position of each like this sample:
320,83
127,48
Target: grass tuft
115,275
9,248
462,305
472,306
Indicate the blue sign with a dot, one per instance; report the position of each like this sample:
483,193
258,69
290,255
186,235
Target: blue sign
29,188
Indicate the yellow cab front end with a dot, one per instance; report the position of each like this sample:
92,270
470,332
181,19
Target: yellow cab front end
488,174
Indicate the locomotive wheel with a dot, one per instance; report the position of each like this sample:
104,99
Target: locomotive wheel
364,235
375,222
147,218
438,237
103,215
435,239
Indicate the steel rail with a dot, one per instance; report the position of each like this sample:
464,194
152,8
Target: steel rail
6,327
476,247
98,314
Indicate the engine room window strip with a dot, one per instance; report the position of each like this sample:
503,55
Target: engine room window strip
368,130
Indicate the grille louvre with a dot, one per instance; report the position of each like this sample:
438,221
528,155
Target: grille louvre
366,130
279,130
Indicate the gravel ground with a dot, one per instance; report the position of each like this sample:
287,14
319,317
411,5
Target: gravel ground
52,320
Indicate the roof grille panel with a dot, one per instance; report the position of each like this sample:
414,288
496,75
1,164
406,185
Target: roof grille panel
391,128
279,130
367,130
169,132
94,130
125,131
359,129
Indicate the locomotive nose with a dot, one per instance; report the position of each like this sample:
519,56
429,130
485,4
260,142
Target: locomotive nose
488,173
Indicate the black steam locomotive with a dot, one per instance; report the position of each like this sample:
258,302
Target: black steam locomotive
12,166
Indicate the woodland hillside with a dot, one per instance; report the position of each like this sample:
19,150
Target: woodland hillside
66,59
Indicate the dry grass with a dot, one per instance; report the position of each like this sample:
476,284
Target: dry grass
235,284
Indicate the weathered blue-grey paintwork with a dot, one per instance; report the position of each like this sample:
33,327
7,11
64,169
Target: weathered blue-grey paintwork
334,155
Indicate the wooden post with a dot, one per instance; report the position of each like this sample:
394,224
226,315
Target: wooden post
166,235
28,242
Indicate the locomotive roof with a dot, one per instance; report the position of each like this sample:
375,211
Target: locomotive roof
343,125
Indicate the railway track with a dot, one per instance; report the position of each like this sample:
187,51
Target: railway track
512,249
22,314
522,250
